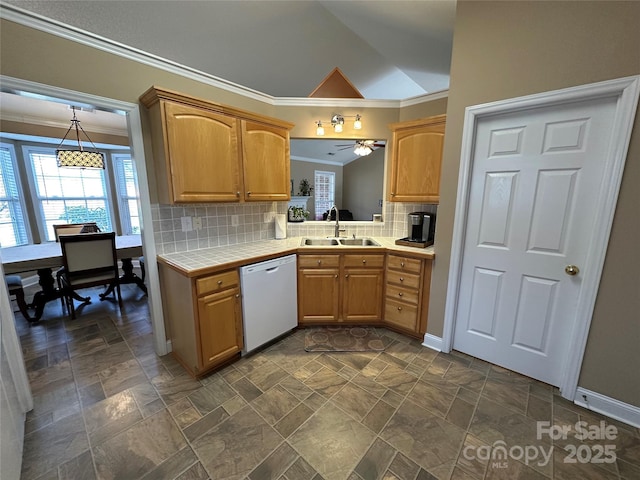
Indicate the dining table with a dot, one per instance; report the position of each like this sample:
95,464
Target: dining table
44,257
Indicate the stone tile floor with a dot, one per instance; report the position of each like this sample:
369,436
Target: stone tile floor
106,407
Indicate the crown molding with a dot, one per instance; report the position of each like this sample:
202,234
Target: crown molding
43,122
59,29
68,32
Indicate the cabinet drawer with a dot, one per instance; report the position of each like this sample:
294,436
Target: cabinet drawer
408,280
318,261
357,260
404,264
216,283
408,295
403,315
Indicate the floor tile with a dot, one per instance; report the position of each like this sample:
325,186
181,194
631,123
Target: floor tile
354,400
275,404
376,461
331,442
237,445
275,464
145,445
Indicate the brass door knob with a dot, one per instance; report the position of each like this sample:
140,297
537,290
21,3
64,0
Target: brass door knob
571,270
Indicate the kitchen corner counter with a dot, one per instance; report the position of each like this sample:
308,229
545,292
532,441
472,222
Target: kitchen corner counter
209,260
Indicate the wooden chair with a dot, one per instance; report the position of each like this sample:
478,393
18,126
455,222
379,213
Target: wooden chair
89,260
70,229
14,284
74,229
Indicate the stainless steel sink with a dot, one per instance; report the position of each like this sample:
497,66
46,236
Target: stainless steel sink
324,242
360,242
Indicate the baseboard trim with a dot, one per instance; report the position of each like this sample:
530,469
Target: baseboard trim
432,342
629,414
169,346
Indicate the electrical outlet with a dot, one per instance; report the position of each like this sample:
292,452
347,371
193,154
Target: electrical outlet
187,225
235,220
197,223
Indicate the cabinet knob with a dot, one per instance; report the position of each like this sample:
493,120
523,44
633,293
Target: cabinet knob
399,308
402,279
346,276
319,262
402,264
364,261
237,194
237,295
219,282
336,276
249,194
393,194
400,294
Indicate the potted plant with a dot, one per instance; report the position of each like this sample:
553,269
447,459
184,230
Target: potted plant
298,214
306,189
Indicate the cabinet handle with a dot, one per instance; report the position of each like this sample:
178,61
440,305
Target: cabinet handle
364,261
402,279
219,282
399,308
400,294
346,276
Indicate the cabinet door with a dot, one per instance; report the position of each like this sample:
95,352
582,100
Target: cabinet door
362,295
415,163
220,323
318,295
202,154
266,164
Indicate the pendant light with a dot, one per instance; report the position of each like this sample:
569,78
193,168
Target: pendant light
79,158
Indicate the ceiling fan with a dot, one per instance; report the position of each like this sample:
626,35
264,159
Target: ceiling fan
362,147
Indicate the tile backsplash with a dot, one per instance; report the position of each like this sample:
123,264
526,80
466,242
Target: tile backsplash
218,227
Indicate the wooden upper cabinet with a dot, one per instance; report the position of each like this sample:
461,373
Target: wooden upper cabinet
202,154
208,152
416,160
266,164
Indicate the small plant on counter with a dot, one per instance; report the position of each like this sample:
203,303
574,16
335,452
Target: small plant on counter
298,214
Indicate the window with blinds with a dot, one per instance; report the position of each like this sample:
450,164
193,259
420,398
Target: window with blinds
67,195
127,188
325,192
13,229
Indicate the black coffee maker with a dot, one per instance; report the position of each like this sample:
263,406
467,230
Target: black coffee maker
421,227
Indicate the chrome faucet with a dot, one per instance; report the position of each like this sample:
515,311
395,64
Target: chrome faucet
336,232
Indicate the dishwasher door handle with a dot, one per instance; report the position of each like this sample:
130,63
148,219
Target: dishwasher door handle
272,269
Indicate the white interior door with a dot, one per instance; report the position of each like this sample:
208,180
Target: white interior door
534,185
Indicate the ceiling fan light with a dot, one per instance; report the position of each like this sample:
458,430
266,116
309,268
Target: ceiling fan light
319,129
362,150
357,124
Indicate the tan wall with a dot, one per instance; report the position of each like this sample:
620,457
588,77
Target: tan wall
508,49
423,110
362,190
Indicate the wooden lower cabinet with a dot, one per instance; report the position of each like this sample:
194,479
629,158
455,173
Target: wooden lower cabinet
406,303
340,288
204,318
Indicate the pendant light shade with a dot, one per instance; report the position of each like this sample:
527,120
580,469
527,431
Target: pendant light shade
79,158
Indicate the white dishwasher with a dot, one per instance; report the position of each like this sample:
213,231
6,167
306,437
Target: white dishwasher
269,300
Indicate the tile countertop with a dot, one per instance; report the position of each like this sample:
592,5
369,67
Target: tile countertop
210,260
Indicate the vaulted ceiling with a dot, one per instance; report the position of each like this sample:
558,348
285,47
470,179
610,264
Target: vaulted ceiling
389,49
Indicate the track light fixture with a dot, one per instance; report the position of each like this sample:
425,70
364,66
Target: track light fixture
337,122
